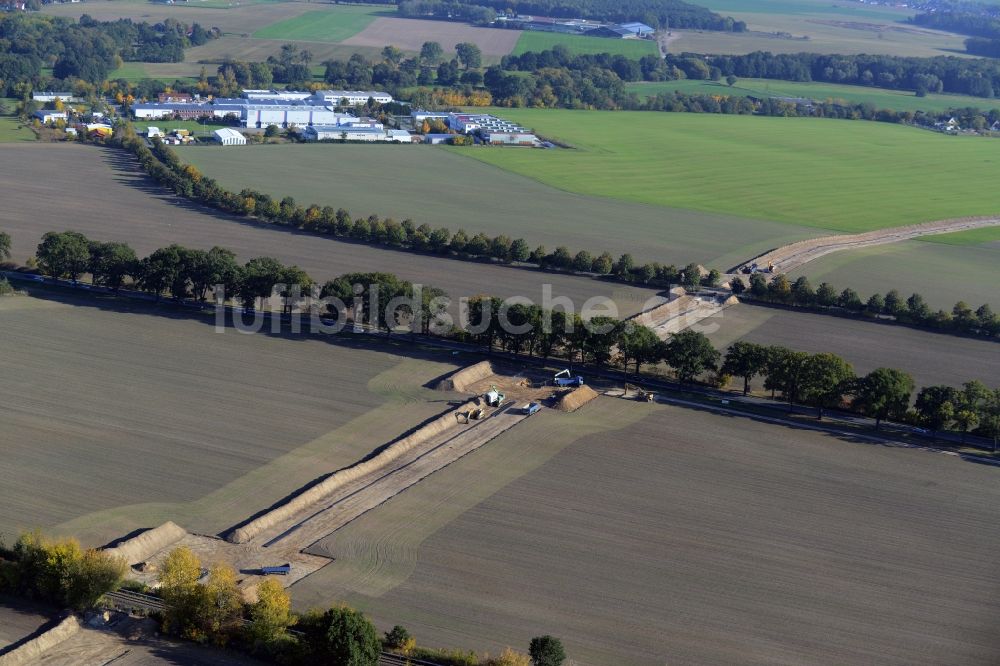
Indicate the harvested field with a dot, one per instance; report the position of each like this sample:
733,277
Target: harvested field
932,358
19,619
120,416
782,26
245,18
341,175
733,541
105,206
410,34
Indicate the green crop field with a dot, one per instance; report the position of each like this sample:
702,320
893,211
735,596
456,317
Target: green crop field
940,271
841,175
328,25
416,182
582,45
881,98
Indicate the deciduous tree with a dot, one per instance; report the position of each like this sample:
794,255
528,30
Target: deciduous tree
690,353
546,651
825,379
935,407
745,359
884,393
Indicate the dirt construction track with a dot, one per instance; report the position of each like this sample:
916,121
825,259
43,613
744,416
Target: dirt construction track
792,256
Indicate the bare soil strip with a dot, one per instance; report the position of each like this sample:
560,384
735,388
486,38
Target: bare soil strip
789,257
286,532
681,312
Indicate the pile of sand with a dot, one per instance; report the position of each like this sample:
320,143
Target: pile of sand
338,479
465,378
575,399
143,546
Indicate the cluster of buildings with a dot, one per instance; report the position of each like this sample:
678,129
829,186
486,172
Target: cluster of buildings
570,26
176,137
262,108
484,127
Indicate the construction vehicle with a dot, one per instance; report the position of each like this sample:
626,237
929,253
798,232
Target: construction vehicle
494,398
477,413
640,393
564,378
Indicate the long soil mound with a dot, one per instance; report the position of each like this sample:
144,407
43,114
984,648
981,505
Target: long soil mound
793,255
576,399
465,378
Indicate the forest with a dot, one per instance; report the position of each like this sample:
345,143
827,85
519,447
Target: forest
88,49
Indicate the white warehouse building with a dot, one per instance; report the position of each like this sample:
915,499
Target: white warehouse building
281,95
227,136
353,97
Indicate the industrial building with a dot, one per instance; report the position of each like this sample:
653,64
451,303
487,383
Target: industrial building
227,136
260,108
282,95
53,96
49,116
349,133
418,116
508,138
352,97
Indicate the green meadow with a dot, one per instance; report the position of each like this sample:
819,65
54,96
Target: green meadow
10,126
848,176
329,25
583,45
897,100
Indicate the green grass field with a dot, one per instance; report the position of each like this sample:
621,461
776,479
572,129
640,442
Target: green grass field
130,71
10,127
583,45
881,98
940,271
842,175
328,25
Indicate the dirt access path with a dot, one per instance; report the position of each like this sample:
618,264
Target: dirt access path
789,257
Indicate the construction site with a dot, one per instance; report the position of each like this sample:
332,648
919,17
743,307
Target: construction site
278,540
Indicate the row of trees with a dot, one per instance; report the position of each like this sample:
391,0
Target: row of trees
821,380
163,165
950,74
175,270
913,310
213,610
58,571
826,381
